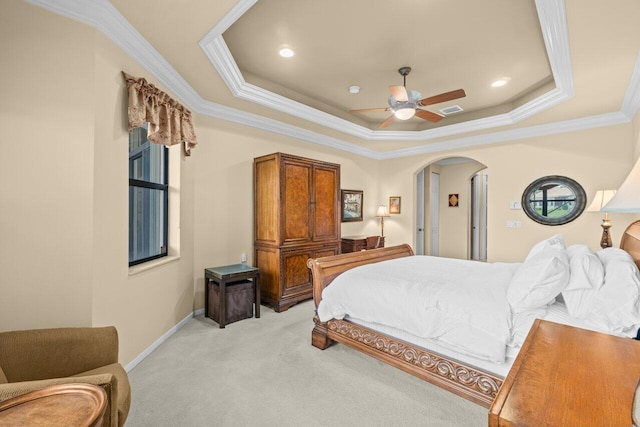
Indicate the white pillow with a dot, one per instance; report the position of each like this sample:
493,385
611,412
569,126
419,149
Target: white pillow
616,306
556,241
587,276
538,280
587,271
610,254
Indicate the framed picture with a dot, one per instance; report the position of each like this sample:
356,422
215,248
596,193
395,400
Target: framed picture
453,200
394,204
351,205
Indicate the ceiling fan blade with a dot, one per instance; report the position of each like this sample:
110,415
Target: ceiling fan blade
399,93
428,115
443,97
387,122
369,110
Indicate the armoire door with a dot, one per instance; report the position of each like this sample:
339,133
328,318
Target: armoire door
325,203
296,189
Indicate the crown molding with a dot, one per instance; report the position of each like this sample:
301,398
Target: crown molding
553,23
259,122
608,119
105,17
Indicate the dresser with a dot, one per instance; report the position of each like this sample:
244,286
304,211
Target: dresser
569,377
296,217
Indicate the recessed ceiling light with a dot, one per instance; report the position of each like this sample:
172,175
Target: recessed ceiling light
354,89
286,52
501,82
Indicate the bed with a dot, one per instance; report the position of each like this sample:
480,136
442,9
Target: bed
416,312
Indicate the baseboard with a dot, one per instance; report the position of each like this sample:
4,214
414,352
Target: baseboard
162,339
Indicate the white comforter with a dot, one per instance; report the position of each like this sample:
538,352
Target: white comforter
460,303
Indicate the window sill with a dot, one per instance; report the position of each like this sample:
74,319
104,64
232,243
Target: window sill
140,268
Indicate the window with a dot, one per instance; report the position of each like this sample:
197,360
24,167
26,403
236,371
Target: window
553,200
148,198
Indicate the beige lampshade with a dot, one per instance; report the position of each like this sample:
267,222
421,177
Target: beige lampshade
382,211
601,198
627,198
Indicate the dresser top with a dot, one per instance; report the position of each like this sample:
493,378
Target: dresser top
566,376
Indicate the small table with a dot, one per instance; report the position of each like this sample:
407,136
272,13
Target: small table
358,243
227,274
74,404
569,377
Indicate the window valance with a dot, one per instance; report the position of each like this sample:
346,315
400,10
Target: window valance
170,122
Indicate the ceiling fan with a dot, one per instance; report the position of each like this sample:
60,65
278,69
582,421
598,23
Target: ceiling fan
404,103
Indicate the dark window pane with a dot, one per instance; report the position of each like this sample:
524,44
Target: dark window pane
146,162
146,223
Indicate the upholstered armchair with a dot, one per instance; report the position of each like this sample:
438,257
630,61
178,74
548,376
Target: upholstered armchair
33,359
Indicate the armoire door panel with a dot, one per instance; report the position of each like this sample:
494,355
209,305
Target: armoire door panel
265,204
325,213
266,259
296,198
296,273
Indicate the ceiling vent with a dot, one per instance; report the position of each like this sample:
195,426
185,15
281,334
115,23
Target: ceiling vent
450,110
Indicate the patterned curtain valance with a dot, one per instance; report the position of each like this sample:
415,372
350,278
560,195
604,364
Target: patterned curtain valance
170,122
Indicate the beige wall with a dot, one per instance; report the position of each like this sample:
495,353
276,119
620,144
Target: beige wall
597,158
635,135
63,202
46,167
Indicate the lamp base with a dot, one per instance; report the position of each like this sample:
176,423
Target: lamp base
605,241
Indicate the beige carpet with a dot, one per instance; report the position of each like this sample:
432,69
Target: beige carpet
264,372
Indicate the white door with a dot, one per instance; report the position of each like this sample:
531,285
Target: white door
434,202
478,238
475,217
483,217
420,213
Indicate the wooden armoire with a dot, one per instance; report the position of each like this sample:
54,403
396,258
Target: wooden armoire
296,217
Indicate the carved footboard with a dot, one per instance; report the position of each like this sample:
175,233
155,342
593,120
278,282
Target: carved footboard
470,383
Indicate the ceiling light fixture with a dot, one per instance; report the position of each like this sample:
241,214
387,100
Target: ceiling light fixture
286,52
405,113
501,82
354,89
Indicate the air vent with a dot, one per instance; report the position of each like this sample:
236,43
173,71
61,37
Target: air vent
450,110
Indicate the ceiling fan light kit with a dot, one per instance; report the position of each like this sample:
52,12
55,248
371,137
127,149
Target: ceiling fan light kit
404,104
404,113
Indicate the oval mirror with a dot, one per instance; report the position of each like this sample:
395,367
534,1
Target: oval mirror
554,200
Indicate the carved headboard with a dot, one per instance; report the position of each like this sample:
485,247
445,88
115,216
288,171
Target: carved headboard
630,241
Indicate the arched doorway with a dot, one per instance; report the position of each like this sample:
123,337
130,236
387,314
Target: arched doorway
451,208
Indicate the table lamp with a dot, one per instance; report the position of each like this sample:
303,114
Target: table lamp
382,213
602,198
627,198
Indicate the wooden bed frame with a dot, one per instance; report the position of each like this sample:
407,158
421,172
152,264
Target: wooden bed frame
465,381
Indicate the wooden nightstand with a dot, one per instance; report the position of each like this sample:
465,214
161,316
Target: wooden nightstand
224,276
566,376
